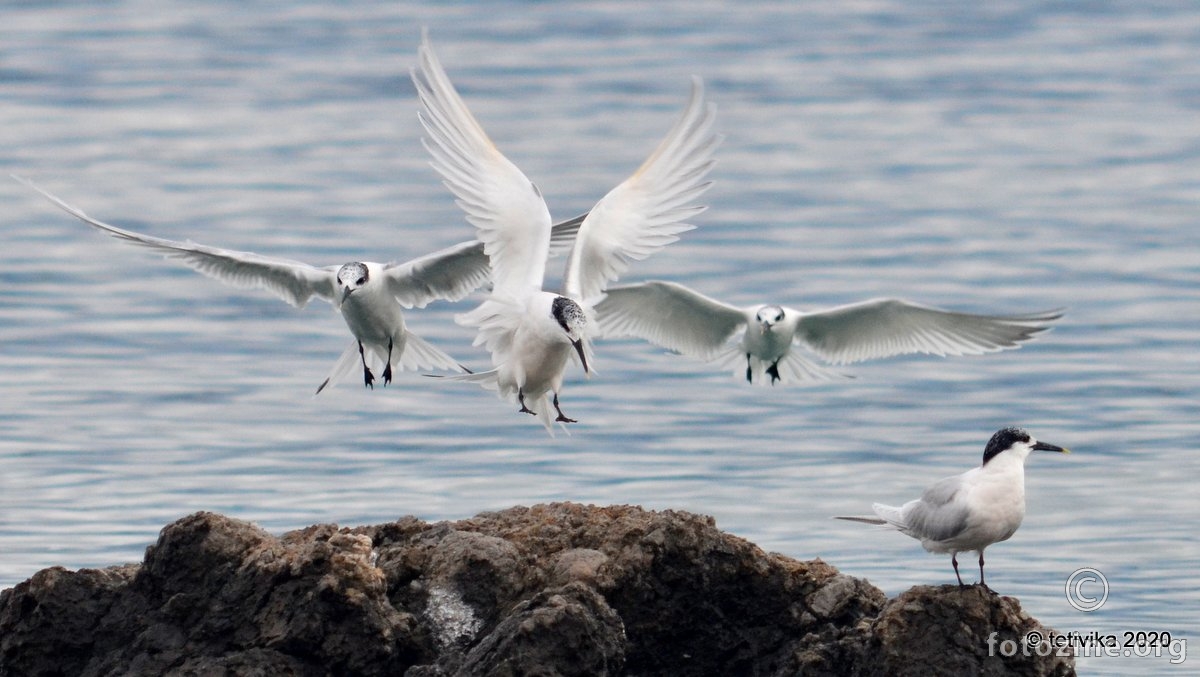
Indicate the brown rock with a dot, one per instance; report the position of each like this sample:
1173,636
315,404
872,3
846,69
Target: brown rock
559,589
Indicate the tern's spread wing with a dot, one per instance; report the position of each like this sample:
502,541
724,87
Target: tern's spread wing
669,315
505,207
562,235
647,210
292,281
449,274
885,327
453,272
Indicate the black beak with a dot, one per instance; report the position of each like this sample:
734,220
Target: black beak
1044,446
582,358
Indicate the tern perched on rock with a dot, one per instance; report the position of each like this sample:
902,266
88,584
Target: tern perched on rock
368,295
971,511
685,321
531,333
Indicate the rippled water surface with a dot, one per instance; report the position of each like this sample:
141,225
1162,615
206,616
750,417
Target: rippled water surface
1015,158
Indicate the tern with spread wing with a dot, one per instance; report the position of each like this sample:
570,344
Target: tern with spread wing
530,333
685,321
368,295
971,511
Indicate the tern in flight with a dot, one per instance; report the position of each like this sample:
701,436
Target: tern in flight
531,333
368,295
683,320
971,511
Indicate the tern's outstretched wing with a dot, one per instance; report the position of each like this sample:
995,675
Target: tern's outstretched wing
454,272
648,210
505,207
885,327
448,274
562,235
669,315
292,281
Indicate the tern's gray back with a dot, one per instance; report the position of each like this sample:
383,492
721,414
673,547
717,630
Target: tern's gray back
936,515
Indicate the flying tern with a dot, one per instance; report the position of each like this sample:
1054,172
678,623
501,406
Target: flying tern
688,322
529,332
971,511
368,295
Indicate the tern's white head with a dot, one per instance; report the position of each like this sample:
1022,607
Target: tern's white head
1015,442
769,316
351,277
570,316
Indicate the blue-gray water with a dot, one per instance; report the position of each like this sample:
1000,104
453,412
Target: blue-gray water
1012,158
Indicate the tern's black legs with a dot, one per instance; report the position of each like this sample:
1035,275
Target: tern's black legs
561,416
772,371
387,370
368,377
524,409
954,561
981,569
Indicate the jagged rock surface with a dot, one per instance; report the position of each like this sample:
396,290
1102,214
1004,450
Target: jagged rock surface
559,589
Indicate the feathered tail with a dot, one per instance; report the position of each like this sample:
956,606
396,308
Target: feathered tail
488,380
886,515
415,354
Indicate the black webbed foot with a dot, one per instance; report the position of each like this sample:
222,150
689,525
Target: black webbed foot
368,377
524,409
387,369
561,416
773,372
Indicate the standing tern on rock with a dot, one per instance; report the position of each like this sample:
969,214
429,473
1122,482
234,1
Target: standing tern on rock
368,295
685,321
529,332
971,511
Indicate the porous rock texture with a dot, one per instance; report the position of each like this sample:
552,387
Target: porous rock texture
559,589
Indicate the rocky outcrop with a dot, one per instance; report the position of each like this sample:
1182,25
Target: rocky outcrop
558,589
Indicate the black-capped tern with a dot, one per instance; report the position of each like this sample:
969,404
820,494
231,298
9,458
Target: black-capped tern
971,511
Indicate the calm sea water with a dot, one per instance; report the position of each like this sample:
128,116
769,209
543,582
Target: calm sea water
1012,158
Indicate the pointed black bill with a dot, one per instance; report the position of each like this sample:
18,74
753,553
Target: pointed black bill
582,358
1045,446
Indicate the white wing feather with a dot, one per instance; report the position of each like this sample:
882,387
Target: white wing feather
292,281
885,327
506,208
669,315
562,235
648,210
449,274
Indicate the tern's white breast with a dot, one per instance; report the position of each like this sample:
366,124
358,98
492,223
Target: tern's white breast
372,315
